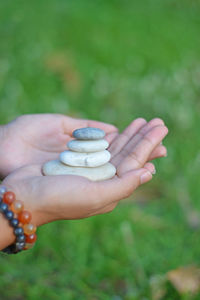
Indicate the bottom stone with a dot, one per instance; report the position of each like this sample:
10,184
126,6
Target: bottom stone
55,167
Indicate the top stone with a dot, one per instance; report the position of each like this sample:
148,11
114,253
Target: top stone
89,133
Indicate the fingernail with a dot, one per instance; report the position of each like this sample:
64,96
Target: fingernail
145,177
154,172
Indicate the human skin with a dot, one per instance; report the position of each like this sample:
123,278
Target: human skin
51,198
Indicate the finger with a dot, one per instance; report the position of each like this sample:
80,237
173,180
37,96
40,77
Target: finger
150,167
119,187
135,139
125,136
158,152
141,152
70,124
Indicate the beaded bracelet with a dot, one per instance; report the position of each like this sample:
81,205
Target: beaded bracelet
19,219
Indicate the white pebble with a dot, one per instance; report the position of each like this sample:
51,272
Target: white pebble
77,159
87,146
55,167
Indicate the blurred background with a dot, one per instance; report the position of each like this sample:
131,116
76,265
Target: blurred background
111,60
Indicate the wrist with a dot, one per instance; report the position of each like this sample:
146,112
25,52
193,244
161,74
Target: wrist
19,219
35,204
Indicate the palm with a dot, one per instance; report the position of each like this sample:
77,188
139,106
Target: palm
70,197
33,139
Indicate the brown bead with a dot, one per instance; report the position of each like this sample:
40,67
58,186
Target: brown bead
17,206
31,238
24,217
9,198
28,246
29,229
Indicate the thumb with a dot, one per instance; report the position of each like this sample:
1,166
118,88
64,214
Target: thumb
122,187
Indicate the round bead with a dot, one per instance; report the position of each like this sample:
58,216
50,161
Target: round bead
2,190
24,217
20,246
17,206
3,207
21,238
31,238
29,246
9,215
18,231
9,198
14,222
29,229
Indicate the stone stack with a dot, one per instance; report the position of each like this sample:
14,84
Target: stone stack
87,156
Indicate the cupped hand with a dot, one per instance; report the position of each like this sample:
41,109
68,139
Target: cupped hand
51,198
34,139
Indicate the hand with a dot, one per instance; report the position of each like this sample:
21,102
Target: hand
51,198
34,139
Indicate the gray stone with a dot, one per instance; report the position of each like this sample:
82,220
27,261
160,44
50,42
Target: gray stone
89,133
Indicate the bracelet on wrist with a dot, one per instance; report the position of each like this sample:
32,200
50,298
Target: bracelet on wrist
19,219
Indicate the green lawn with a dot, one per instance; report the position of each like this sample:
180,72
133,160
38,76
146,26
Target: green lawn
111,60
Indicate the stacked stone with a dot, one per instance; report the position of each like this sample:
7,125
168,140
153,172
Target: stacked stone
87,156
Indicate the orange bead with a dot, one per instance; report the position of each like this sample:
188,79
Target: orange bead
28,246
31,238
17,206
9,198
24,217
29,229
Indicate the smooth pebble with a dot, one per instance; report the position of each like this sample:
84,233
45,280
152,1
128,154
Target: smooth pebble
89,133
55,167
77,159
87,146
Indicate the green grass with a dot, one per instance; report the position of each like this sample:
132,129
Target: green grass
112,61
